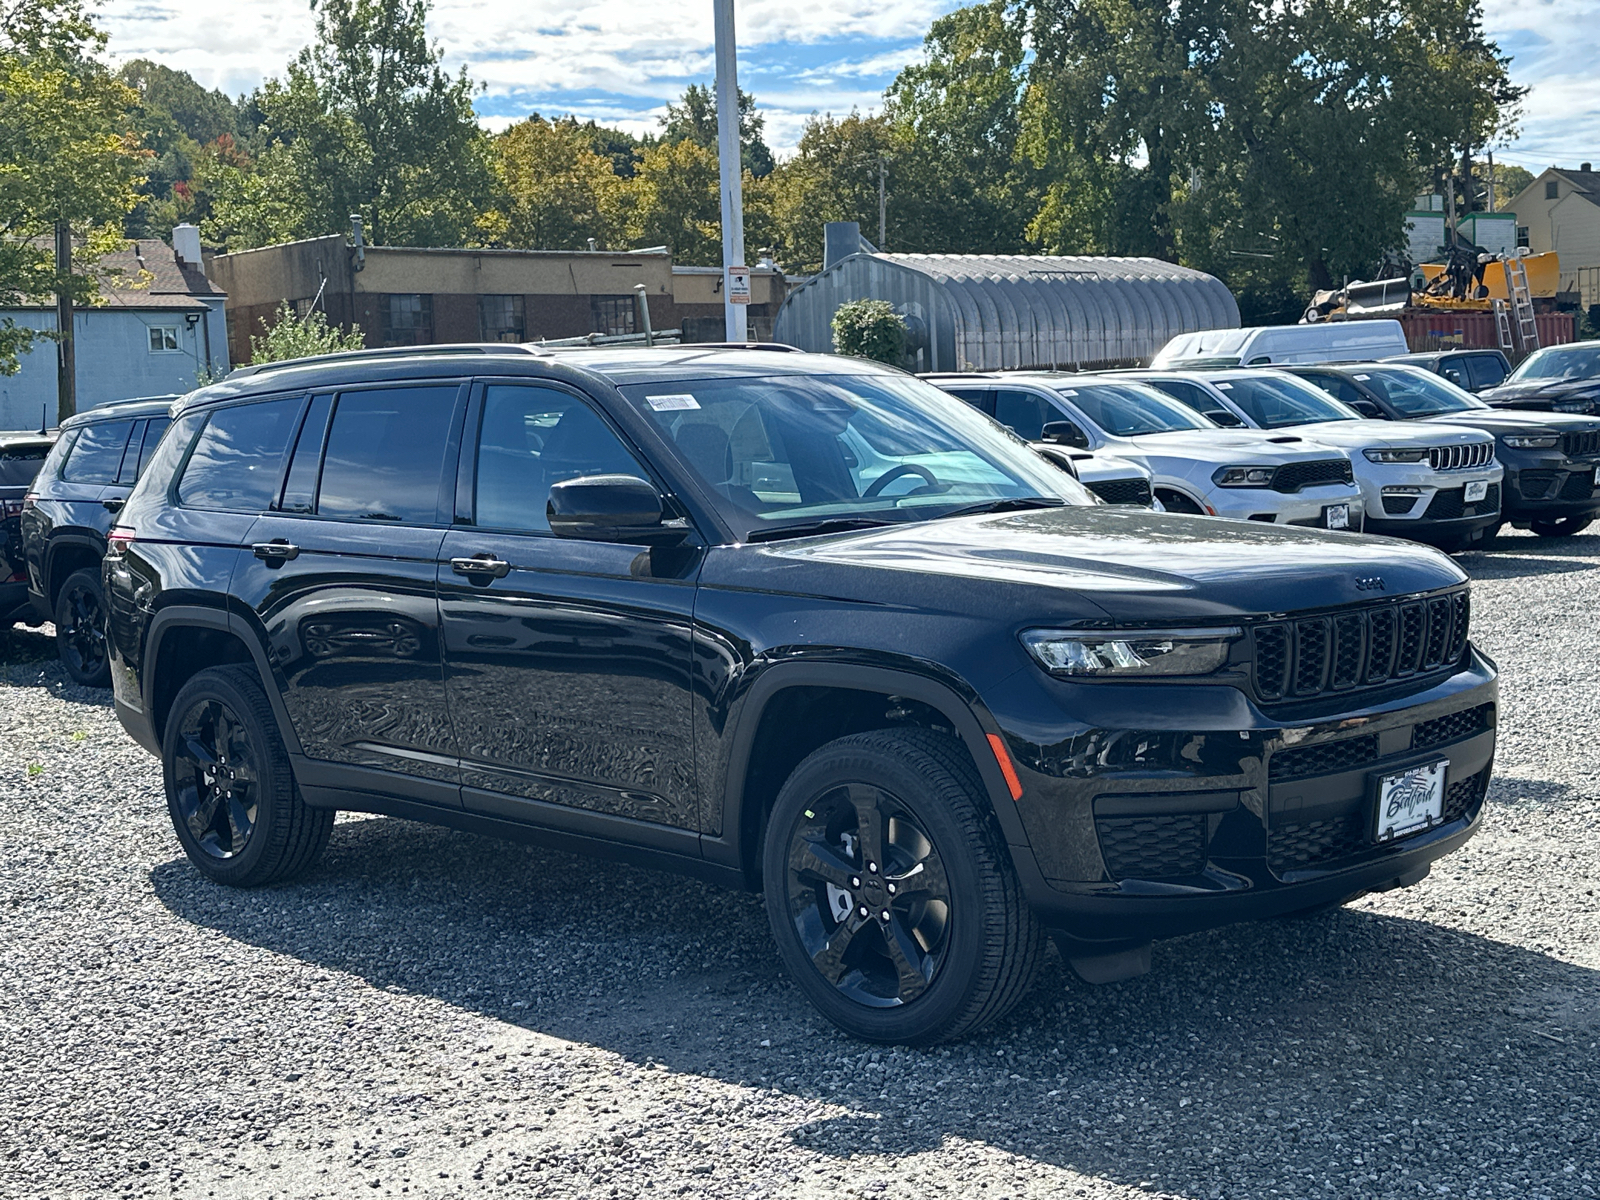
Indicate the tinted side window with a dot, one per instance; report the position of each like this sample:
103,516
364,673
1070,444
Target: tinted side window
533,437
385,454
1484,372
300,489
152,438
973,396
97,454
238,461
1191,395
20,463
1024,412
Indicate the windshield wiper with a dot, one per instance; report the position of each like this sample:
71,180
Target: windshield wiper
813,528
1011,504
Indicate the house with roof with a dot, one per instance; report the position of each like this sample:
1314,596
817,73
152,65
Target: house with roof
1560,211
160,326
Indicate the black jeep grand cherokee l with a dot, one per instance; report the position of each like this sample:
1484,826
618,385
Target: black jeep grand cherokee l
795,623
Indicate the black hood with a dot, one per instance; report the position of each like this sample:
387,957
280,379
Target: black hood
1542,393
1123,564
1512,420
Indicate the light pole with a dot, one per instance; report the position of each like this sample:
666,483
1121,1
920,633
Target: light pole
730,169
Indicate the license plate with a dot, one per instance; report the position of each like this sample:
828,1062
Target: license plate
1476,491
1337,516
1410,800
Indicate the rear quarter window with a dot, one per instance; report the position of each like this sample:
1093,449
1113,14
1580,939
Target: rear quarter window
19,464
237,463
384,457
96,455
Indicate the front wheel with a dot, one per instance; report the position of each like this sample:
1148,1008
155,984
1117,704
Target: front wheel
1561,527
81,629
891,895
231,792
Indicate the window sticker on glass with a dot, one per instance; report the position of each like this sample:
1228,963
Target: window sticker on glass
674,403
1069,391
1224,387
1363,378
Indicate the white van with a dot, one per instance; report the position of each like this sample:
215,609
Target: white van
1325,342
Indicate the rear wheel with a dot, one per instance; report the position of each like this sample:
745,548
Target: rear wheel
231,792
890,892
81,629
1561,527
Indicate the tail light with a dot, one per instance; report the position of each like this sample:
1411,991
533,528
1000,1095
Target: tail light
119,539
11,508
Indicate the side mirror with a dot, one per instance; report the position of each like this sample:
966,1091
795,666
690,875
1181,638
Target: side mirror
1065,433
1057,458
611,508
1453,375
1223,417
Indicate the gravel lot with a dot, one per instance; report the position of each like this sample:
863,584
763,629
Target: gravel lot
433,1014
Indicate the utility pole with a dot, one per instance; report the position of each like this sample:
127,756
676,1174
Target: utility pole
66,359
730,168
883,209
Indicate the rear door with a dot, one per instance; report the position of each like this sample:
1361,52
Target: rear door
340,573
567,662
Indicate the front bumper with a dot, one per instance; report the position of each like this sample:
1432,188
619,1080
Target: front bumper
1308,507
1541,485
1427,505
1214,811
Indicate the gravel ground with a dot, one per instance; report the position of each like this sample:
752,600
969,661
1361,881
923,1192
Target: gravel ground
434,1014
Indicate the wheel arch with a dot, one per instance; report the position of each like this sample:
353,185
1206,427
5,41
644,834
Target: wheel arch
65,554
184,640
856,698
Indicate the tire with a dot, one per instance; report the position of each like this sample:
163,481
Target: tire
81,629
1561,527
231,792
954,954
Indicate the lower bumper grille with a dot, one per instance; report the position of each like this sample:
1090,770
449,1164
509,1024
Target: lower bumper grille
1122,491
1161,847
1536,485
1579,486
1450,504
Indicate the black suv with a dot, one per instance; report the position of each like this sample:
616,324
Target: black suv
1564,379
21,456
1550,458
68,512
787,622
1472,370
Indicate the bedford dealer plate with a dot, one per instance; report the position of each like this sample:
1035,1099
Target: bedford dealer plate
1410,800
1476,491
1337,516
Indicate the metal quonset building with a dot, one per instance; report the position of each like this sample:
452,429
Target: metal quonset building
972,312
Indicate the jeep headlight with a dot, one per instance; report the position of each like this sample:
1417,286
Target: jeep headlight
1245,476
1530,441
1387,454
1130,652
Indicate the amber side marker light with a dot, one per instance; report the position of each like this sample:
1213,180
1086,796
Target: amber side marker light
1003,757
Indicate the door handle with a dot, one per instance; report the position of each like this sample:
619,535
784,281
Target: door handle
481,565
276,552
112,506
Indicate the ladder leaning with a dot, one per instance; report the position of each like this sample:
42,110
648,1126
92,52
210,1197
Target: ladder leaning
1521,303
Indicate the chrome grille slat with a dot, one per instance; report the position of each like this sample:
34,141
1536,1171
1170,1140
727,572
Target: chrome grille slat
1460,457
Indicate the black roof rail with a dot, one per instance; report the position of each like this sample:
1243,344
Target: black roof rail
775,347
381,352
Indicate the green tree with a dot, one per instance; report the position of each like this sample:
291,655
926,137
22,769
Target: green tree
67,153
182,125
833,177
694,118
675,200
366,121
555,191
289,336
870,329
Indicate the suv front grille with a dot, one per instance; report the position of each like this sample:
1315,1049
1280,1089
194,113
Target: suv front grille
1122,491
1292,477
1581,445
1290,847
1449,503
1467,722
1325,758
1160,847
1463,799
1459,458
1360,647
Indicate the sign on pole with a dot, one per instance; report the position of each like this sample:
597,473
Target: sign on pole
738,285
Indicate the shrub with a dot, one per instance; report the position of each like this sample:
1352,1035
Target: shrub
290,337
870,329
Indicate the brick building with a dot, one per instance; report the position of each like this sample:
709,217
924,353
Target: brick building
404,296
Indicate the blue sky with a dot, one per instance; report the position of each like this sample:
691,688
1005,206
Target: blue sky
620,61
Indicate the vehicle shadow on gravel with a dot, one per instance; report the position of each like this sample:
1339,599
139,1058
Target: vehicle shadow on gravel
1376,1052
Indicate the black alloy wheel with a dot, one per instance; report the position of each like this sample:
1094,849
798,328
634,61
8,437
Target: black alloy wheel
231,792
81,629
218,779
890,891
868,895
1560,527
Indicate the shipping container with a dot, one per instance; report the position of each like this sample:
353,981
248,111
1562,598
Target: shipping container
1476,330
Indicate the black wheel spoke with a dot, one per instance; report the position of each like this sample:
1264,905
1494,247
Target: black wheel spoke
239,824
197,752
819,861
204,815
217,777
923,881
869,824
913,967
829,961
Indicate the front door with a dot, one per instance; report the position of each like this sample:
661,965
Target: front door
341,574
567,662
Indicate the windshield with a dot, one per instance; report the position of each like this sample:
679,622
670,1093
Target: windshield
803,449
1416,393
1560,362
1131,409
1278,401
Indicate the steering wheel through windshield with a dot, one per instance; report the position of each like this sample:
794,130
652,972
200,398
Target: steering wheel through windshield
875,488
